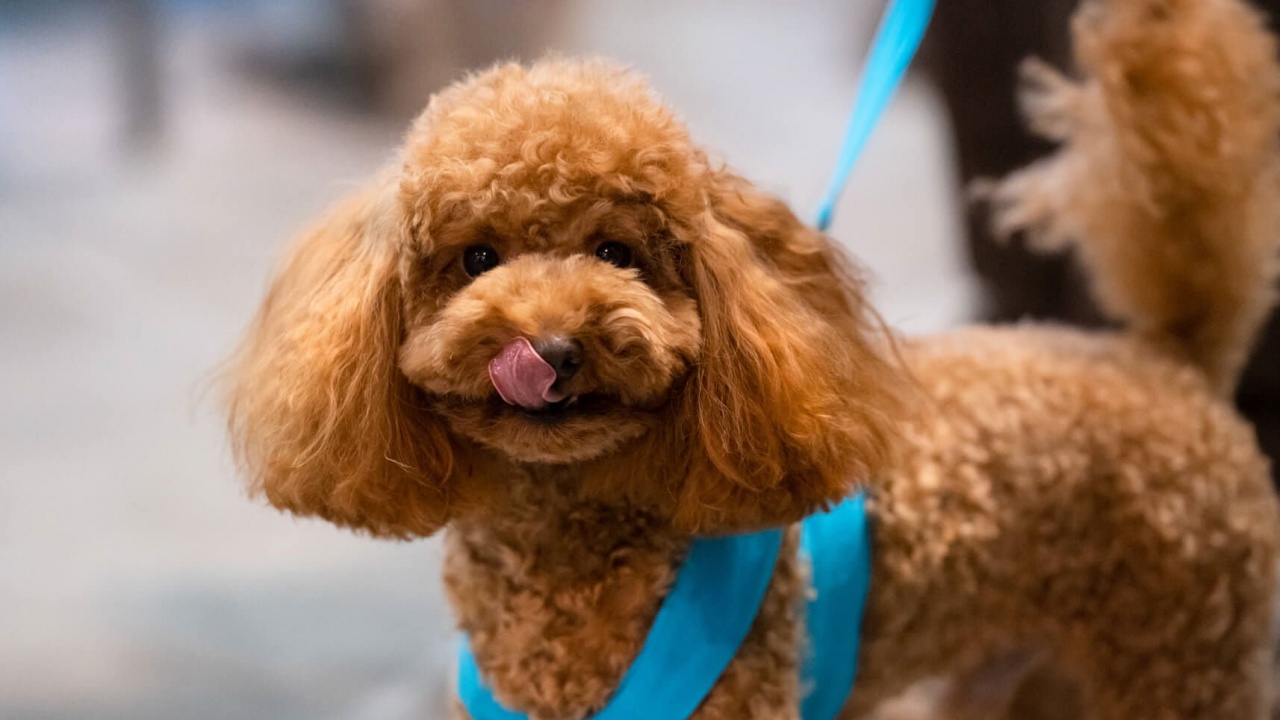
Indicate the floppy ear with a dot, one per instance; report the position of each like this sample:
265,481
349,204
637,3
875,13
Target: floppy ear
320,416
792,403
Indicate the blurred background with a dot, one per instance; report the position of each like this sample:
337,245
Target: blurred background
156,156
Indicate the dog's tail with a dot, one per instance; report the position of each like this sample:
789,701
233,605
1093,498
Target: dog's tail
1168,177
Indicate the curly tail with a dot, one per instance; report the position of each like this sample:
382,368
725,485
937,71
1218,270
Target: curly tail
1168,177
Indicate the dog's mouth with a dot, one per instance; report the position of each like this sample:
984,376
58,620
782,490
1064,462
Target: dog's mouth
577,427
551,410
573,406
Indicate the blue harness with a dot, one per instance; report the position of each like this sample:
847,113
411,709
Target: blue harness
710,609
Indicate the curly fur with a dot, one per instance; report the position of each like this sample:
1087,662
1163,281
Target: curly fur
1086,503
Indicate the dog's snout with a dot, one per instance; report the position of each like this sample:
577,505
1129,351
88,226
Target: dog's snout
563,354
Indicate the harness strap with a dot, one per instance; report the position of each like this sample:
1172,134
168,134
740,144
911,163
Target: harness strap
706,616
697,632
838,546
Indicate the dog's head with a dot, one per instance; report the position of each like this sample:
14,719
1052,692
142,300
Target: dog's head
554,274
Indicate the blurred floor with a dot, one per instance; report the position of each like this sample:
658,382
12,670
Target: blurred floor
136,581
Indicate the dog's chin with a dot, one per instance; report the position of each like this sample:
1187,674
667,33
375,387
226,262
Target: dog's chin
574,430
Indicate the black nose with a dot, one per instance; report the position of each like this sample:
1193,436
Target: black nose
562,354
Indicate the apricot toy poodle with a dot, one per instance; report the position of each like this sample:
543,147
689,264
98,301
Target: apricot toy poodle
555,330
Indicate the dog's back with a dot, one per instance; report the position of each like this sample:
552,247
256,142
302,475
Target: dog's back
1077,498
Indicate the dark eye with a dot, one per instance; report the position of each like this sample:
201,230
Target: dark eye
614,253
479,259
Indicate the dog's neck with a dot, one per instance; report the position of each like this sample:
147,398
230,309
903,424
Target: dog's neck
556,592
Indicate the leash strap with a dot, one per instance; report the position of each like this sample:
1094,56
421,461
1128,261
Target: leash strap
697,632
838,545
897,40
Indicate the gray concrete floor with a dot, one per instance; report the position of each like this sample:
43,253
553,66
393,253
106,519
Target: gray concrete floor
136,580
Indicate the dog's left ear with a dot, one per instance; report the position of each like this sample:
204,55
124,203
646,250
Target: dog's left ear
793,402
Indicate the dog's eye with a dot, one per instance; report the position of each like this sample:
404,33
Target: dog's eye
479,259
614,253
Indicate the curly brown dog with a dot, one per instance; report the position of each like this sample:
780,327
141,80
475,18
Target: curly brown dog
1090,500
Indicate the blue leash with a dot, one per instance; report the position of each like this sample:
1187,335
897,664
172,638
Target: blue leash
895,45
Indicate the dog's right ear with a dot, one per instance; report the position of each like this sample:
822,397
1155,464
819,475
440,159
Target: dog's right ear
321,418
796,398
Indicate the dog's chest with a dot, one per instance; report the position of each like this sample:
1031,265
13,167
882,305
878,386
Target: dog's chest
561,640
556,608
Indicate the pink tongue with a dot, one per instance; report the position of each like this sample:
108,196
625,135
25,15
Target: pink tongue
522,377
